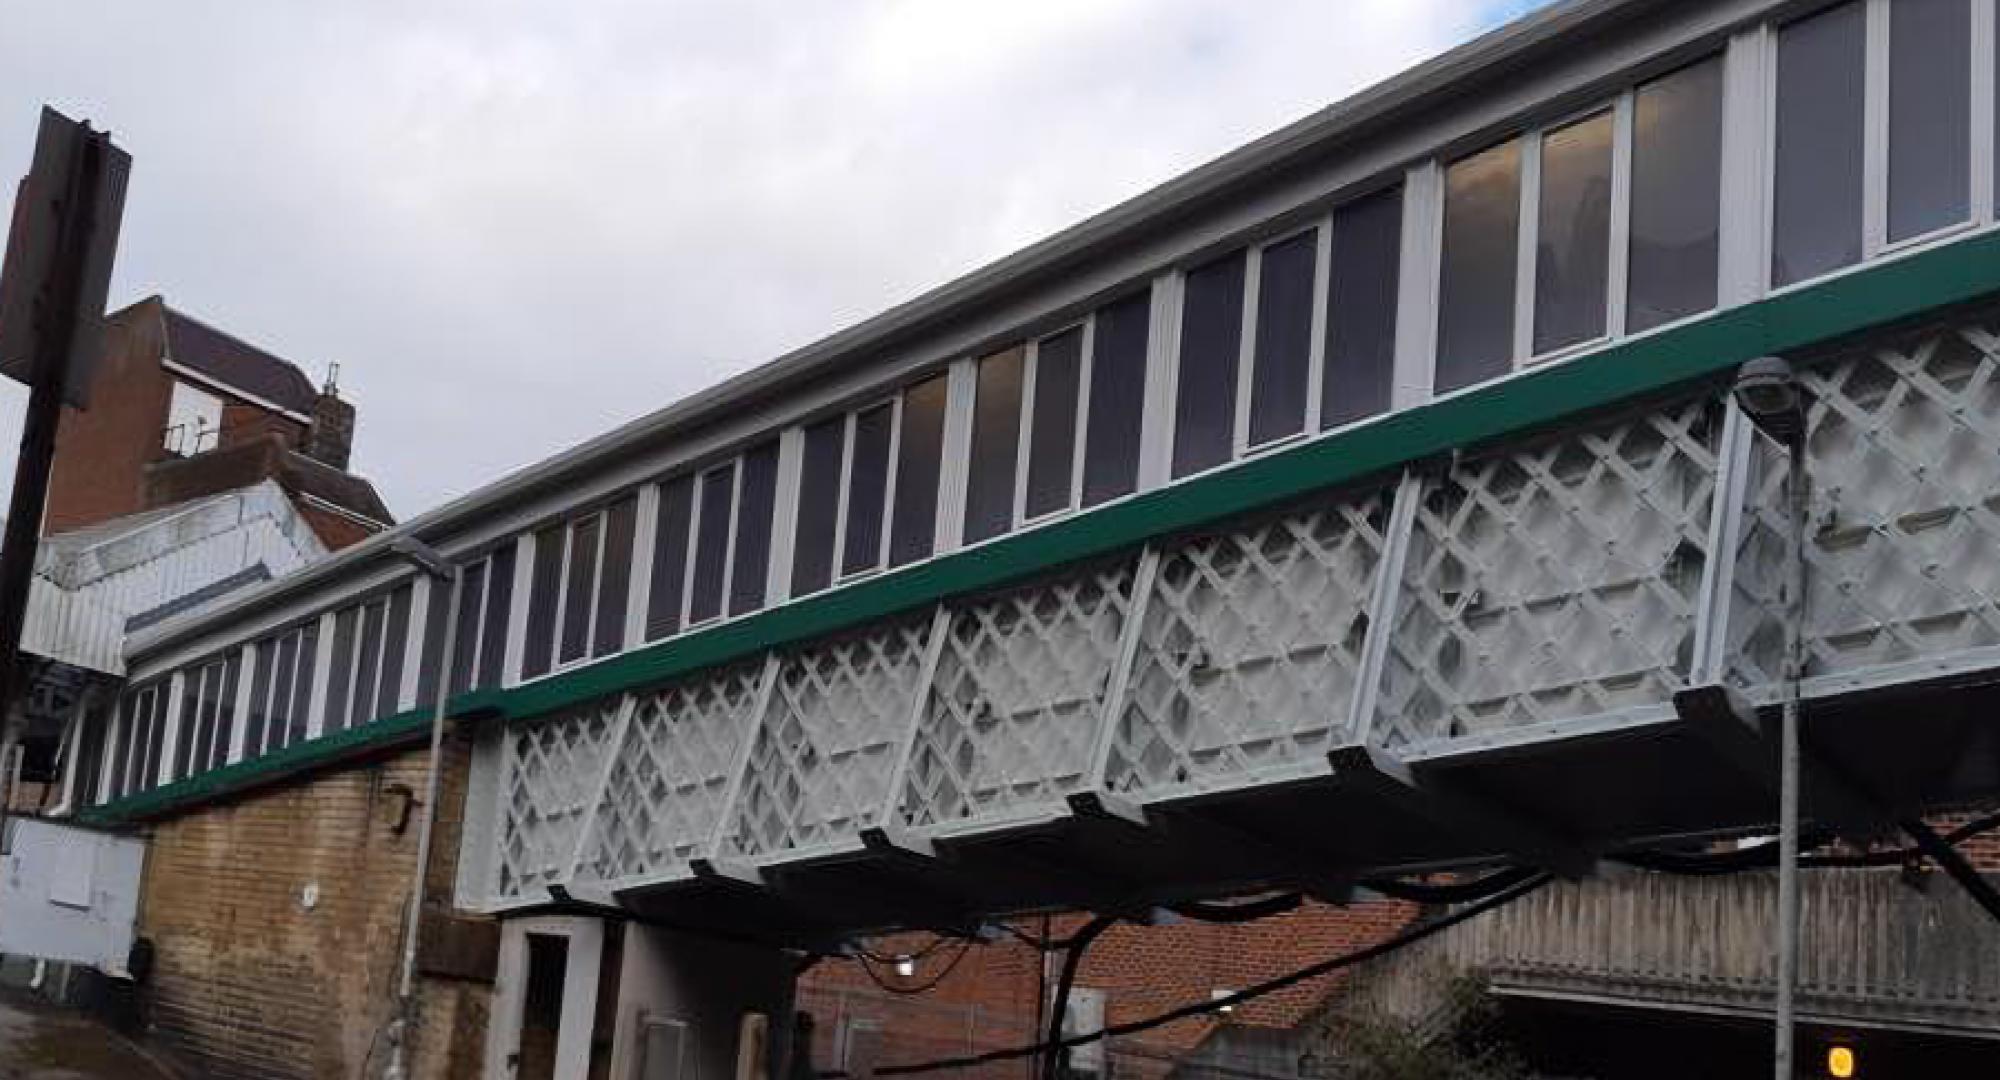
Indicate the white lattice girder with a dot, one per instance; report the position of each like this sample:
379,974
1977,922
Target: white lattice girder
1012,714
826,747
1249,650
552,770
663,797
1553,580
1903,450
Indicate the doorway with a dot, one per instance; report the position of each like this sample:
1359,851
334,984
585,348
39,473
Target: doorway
546,1009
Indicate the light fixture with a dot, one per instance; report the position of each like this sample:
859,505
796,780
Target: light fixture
1840,1061
1768,392
906,966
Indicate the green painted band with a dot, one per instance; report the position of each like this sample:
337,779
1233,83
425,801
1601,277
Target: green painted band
1895,291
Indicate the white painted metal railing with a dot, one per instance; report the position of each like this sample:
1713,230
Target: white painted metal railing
1566,583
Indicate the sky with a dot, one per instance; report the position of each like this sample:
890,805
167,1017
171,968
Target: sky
515,224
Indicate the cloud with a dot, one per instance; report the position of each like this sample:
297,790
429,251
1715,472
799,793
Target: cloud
515,224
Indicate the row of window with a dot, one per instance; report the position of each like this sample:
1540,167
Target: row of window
1607,222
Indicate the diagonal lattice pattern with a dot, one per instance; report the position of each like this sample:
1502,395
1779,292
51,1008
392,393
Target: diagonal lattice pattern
1903,446
1011,719
1553,580
663,795
1249,649
826,746
551,771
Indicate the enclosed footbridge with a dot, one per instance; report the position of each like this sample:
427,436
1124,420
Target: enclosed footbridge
1540,618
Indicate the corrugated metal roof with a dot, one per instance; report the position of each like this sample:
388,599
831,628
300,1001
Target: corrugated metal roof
90,585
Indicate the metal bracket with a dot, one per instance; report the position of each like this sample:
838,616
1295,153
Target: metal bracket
1104,806
1728,724
729,871
1380,774
896,840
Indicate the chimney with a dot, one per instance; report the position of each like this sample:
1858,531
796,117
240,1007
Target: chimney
330,438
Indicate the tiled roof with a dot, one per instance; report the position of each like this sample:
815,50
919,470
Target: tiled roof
237,364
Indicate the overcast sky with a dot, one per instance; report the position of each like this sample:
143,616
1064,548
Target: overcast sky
516,223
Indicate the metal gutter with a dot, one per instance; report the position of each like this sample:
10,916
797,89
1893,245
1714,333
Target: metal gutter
1451,75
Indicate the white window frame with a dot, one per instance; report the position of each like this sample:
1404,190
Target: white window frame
1321,226
1031,362
602,514
1876,84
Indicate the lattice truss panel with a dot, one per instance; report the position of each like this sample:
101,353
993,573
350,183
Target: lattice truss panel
551,771
1553,580
821,768
1903,534
665,787
1012,717
1249,650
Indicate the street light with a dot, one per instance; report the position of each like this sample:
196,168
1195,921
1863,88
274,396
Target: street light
428,561
1767,390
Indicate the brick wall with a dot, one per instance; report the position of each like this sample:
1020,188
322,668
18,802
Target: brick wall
249,981
988,999
101,451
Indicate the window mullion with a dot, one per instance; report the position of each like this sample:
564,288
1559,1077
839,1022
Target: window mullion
1420,271
1984,19
696,483
1321,312
1031,365
1246,350
1080,438
736,478
844,503
1527,234
1875,132
1619,266
890,469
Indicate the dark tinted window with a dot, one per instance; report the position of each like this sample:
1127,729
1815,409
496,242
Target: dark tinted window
711,555
1676,196
1205,396
580,586
1930,115
819,506
996,439
750,570
340,677
614,592
499,608
919,457
867,489
1573,237
466,645
395,643
670,557
258,715
544,596
1817,217
1482,217
1052,441
368,663
1117,398
1361,308
1284,338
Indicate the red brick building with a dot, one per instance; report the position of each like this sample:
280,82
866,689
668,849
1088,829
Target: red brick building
180,410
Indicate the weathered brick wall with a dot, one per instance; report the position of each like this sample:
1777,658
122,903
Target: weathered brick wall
249,980
1143,970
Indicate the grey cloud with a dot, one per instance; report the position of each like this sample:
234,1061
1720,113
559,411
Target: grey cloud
515,224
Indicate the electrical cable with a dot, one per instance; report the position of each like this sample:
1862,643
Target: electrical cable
937,942
868,968
1407,937
1458,892
1059,1005
1247,911
1764,856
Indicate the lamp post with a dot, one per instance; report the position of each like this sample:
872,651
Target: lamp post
428,561
1768,392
